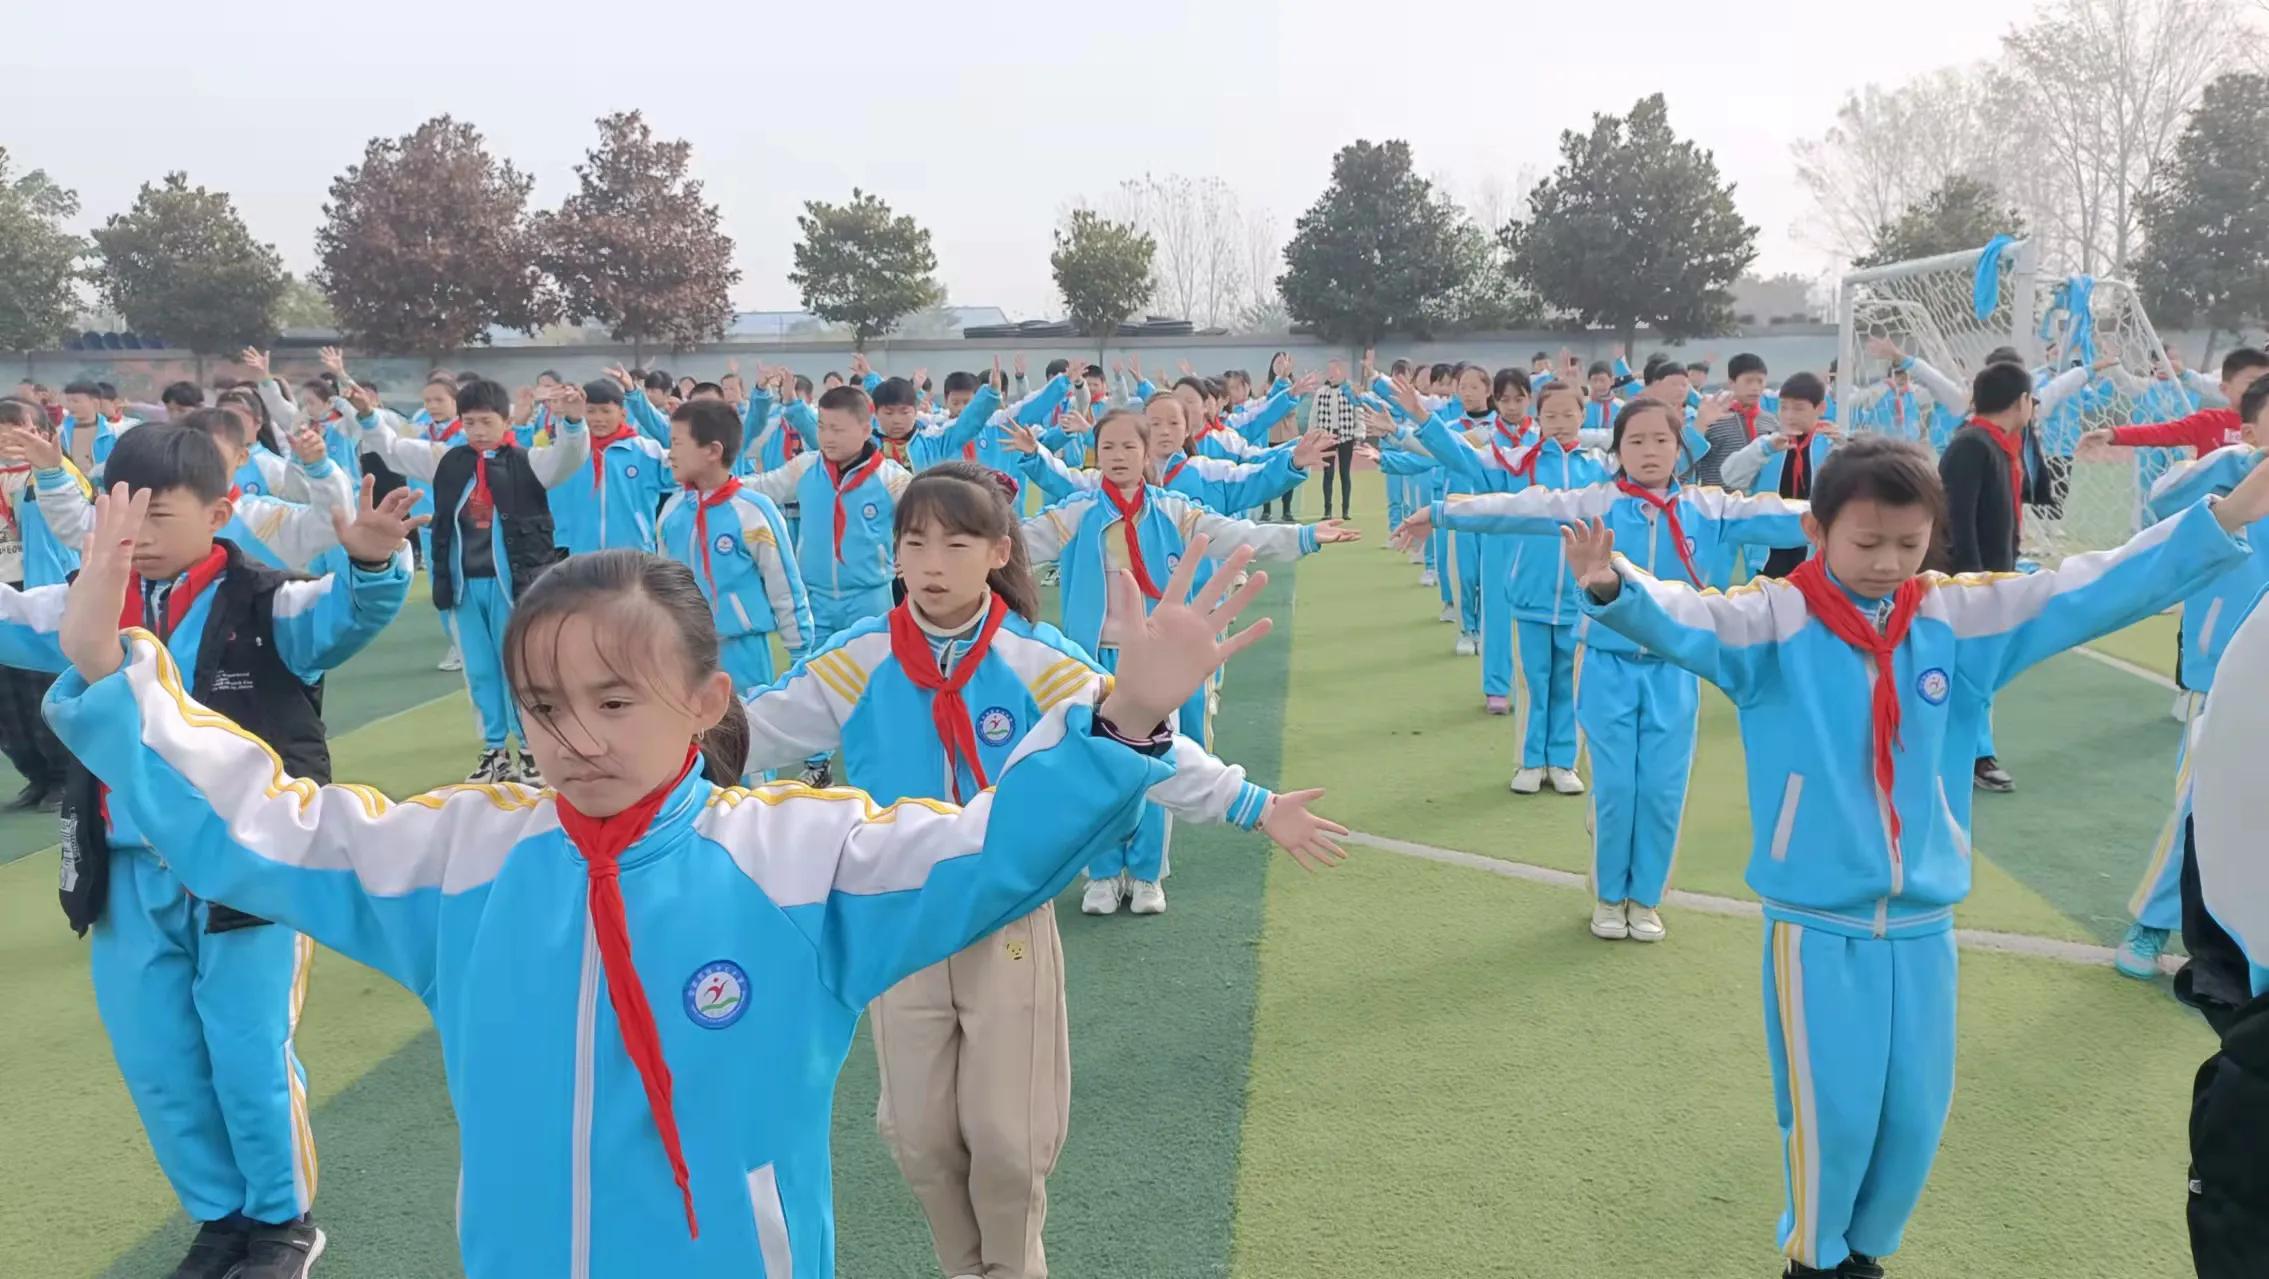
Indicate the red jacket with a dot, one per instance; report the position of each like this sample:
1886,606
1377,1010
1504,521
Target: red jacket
2205,431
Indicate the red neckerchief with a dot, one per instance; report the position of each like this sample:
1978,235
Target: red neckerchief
1748,415
1898,410
1167,480
1207,427
895,450
1668,506
482,503
844,484
911,646
1129,510
1526,466
177,603
602,841
1833,609
2013,447
599,447
455,428
1799,465
794,443
701,504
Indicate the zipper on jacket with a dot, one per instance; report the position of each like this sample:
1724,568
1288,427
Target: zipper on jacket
579,1130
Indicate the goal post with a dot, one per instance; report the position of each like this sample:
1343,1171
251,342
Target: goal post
1952,315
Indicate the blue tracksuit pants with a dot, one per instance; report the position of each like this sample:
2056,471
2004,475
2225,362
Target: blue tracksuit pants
1398,500
201,1024
1639,716
1548,681
1465,549
483,609
1143,856
1861,1035
833,611
2157,902
1497,555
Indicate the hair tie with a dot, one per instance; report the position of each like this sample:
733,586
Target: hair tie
1005,481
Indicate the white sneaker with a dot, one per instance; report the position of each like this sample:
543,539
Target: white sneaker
1565,781
1102,896
1449,612
1528,781
451,660
1467,646
1148,898
1607,922
1645,924
2181,706
1427,578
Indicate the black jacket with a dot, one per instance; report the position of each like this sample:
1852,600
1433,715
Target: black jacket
523,512
1981,527
240,675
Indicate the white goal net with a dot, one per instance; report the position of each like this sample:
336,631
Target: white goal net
1950,313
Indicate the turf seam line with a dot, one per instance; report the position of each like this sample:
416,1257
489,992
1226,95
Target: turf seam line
2070,952
2122,664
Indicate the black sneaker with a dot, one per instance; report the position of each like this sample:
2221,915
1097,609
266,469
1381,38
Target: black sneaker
495,766
34,795
1860,1266
220,1247
819,776
1798,1270
526,772
287,1251
1992,777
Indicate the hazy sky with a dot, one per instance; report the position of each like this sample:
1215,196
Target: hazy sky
984,120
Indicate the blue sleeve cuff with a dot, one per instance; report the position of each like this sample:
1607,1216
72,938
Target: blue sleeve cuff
1251,804
1308,543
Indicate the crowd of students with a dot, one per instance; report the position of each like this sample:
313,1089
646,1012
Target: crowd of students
613,565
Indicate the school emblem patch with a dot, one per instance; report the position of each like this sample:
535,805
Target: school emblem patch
870,510
631,470
717,994
725,544
995,726
1932,684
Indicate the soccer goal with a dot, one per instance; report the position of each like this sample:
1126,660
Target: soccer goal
1953,310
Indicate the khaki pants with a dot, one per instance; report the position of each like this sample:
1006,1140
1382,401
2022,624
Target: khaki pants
976,1094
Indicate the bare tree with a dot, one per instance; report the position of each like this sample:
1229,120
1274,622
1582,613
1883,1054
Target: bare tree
2107,84
1890,147
1260,306
1199,227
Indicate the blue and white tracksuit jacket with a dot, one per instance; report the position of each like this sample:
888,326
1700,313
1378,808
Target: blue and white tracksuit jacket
1639,714
850,583
106,431
201,1023
811,903
618,513
1083,536
748,571
49,554
2210,616
276,532
1758,465
1859,969
484,604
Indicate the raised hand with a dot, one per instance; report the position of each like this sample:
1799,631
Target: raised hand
378,530
89,631
921,378
571,402
1075,422
733,367
1021,438
334,359
1306,384
524,405
255,359
307,445
859,366
1309,452
1407,396
362,400
1413,532
1590,548
1302,833
1020,366
1885,349
1330,531
33,447
1377,423
1168,654
1368,453
1134,366
1118,367
1184,366
622,375
1713,408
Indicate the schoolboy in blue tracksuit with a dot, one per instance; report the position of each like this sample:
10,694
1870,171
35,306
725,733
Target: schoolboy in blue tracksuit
1639,714
611,498
848,491
1855,658
736,542
2212,614
494,535
200,1000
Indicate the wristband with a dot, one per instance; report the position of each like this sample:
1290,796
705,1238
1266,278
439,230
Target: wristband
368,566
1156,743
